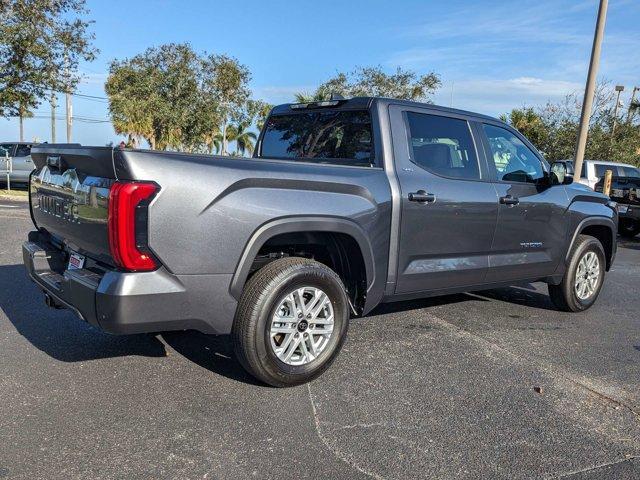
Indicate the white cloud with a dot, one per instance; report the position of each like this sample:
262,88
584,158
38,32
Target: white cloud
493,97
548,37
280,94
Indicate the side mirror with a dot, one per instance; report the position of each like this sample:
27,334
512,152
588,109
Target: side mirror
560,174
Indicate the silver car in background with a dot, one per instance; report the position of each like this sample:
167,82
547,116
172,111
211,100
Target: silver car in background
22,165
593,170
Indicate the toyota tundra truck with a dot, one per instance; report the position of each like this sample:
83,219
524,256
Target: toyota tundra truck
346,204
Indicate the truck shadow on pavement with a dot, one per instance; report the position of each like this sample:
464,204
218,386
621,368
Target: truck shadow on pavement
212,352
59,333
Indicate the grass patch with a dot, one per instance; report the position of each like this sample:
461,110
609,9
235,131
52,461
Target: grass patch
14,193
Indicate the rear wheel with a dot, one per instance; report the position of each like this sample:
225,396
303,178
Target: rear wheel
583,278
628,228
291,321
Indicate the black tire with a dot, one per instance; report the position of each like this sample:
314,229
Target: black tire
564,295
628,228
261,296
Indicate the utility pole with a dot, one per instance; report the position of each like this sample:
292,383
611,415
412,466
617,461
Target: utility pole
451,101
67,93
619,89
631,105
21,125
53,117
69,115
590,88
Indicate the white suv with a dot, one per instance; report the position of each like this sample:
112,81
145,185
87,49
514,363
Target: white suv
592,170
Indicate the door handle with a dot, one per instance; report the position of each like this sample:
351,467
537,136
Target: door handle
422,197
509,200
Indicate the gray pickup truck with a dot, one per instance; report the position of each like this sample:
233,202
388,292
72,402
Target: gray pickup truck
346,204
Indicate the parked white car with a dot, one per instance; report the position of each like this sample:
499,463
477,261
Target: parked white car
22,165
593,170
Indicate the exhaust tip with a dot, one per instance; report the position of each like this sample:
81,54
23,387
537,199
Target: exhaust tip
50,302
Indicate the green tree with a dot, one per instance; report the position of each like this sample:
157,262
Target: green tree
373,81
529,123
225,80
553,128
256,112
41,44
175,98
155,96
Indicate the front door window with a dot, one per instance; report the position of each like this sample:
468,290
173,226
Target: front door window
514,161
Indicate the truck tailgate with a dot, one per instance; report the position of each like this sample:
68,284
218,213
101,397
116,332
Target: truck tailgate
69,197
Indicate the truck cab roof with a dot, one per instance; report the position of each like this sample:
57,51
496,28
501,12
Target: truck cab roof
359,103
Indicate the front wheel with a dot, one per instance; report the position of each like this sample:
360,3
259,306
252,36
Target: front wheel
291,321
583,278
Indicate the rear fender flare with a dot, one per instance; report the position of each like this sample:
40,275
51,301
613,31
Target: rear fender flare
299,224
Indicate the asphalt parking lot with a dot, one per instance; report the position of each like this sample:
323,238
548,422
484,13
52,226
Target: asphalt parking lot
489,385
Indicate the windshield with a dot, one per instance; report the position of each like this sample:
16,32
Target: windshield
340,137
6,149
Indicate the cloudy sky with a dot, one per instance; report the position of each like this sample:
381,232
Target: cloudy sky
491,55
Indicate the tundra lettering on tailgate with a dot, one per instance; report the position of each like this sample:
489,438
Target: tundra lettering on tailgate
57,206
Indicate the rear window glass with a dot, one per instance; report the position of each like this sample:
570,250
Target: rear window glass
629,172
601,169
340,137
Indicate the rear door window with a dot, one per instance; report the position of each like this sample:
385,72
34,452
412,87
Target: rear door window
23,151
442,145
337,137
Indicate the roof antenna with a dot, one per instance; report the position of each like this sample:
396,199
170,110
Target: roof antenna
336,96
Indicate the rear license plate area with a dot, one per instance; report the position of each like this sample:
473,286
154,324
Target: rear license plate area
76,261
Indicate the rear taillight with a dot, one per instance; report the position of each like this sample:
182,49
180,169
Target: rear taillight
128,214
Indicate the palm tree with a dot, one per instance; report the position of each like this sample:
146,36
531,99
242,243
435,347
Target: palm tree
215,142
244,138
304,97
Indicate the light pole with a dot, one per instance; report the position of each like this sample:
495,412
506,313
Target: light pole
590,88
619,89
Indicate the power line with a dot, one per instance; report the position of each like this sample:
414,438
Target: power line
83,95
90,97
58,117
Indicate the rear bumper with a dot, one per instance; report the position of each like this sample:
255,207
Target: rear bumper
124,302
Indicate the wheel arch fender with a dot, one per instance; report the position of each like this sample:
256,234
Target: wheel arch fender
298,225
596,221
